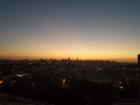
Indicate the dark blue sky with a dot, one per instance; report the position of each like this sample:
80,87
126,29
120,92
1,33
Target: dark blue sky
78,28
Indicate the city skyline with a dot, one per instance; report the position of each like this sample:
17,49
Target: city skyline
84,29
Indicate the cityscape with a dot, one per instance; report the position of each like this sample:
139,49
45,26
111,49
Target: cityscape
69,52
71,82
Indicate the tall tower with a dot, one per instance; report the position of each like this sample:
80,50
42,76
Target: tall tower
139,75
139,62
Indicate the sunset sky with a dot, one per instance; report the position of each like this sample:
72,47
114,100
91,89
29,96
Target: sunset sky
84,29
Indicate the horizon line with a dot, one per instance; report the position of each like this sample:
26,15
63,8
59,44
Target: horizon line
122,60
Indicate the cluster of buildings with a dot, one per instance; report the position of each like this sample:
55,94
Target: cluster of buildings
36,74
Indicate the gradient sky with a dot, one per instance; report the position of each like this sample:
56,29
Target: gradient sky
87,29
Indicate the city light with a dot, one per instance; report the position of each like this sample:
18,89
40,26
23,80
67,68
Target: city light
1,82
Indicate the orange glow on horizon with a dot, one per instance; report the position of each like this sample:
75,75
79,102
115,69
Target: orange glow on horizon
73,56
69,51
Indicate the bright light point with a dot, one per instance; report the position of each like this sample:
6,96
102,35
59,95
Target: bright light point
121,87
63,81
1,81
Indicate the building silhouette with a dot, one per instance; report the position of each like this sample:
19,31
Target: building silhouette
139,61
139,72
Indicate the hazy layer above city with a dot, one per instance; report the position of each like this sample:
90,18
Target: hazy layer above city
84,29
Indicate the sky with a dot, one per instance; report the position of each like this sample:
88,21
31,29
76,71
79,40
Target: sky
84,29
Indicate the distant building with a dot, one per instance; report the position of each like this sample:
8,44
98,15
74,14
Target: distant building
139,61
139,71
68,58
77,59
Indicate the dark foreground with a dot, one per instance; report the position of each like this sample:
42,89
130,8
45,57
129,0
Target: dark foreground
68,82
79,94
